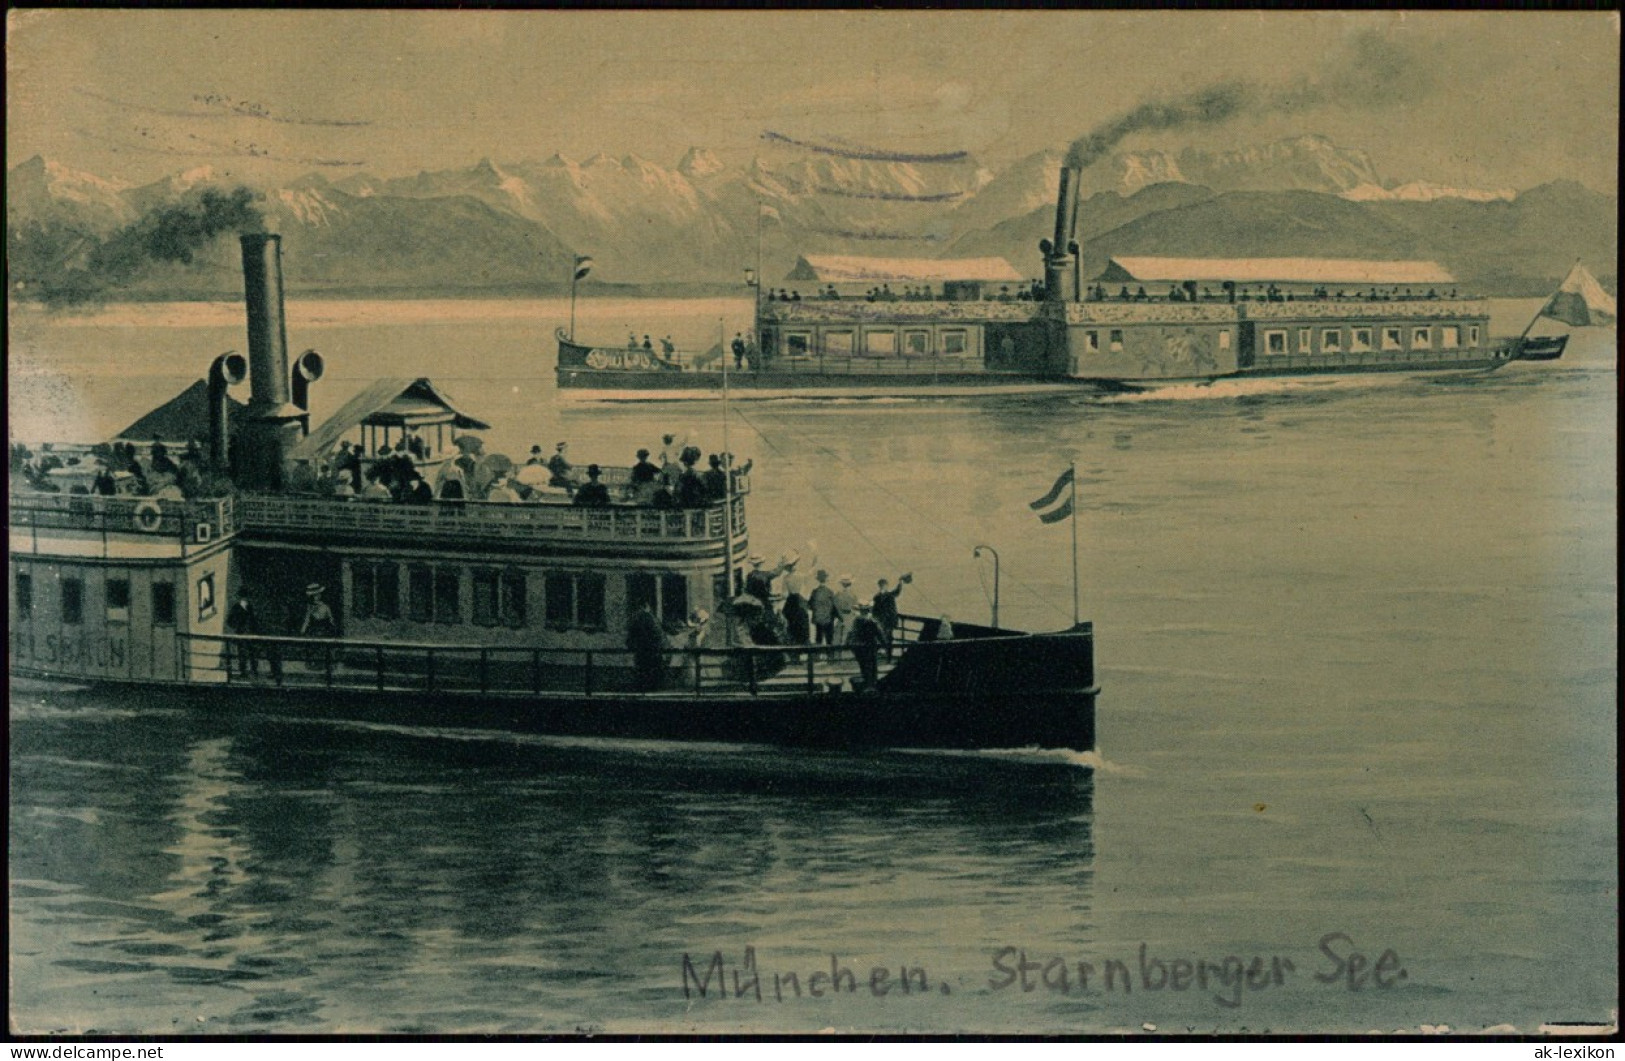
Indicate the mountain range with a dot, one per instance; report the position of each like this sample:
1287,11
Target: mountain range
515,227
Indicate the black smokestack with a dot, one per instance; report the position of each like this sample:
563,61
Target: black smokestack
1056,259
267,331
274,423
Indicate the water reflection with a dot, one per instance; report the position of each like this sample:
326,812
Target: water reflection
287,876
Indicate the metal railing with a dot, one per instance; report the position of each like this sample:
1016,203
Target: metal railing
487,519
159,517
877,365
747,670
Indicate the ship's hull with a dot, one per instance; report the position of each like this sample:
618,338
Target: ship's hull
584,383
591,385
876,720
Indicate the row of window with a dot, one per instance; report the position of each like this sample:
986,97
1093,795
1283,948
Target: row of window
1392,337
116,599
1114,337
501,596
879,342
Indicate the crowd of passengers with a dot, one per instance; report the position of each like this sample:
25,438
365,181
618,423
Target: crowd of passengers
113,468
1190,291
392,475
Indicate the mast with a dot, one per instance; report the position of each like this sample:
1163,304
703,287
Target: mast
728,488
1076,610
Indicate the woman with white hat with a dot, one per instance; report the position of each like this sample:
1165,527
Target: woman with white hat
318,616
846,609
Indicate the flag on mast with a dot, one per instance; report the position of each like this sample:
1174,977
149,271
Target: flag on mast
1581,302
1060,511
583,266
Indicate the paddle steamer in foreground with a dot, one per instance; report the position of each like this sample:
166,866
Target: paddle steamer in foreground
954,328
465,612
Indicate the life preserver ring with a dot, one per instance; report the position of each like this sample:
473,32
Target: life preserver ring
148,516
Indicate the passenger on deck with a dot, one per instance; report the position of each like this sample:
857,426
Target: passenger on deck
375,490
592,492
846,610
671,469
885,607
536,456
318,620
348,463
243,620
502,491
759,582
866,639
417,491
690,488
562,470
797,618
821,610
106,485
644,477
648,644
715,479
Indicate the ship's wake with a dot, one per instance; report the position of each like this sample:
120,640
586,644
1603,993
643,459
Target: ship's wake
1231,389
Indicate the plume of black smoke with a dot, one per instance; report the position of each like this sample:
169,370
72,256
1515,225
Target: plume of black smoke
1372,72
173,233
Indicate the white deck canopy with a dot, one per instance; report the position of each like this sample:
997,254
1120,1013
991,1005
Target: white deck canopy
851,269
1128,270
391,405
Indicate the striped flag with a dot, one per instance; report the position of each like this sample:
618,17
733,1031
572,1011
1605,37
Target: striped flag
1061,511
583,266
769,211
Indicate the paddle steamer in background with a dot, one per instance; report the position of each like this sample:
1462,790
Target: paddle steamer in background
465,612
881,327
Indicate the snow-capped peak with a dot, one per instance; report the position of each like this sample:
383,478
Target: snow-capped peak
699,163
1426,192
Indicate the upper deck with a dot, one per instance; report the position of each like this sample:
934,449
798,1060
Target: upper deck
91,525
94,526
486,521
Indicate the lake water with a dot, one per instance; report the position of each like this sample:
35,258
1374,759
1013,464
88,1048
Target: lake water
1357,644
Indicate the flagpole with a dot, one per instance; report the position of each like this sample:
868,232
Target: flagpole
756,303
1076,610
728,493
574,269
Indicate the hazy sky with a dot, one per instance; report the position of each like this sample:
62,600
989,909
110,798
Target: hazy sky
1487,99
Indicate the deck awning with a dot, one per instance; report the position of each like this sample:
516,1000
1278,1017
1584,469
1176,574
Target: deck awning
851,269
181,419
397,402
1130,270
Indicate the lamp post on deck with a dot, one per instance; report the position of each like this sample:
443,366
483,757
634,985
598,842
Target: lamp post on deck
753,280
977,554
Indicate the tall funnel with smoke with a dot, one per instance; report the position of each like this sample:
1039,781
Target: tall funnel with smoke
1057,256
1371,72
